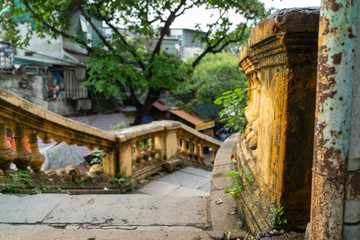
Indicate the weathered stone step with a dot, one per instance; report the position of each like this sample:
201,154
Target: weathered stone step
120,210
45,234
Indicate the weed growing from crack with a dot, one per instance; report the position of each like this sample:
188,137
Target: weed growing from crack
277,216
243,180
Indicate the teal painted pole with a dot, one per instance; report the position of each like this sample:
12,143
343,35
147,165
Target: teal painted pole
336,55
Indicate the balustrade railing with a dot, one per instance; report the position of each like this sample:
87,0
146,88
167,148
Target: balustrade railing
137,151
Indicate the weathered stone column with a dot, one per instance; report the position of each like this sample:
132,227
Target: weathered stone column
277,146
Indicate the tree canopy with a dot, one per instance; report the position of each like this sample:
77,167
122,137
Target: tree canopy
214,75
124,65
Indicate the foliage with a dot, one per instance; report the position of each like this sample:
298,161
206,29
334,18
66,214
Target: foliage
118,127
22,182
61,191
124,182
128,67
80,182
234,103
18,182
97,157
277,216
243,180
149,178
214,75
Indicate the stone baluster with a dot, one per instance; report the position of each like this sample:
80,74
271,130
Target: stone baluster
6,153
152,150
201,153
190,152
139,155
133,156
196,151
214,151
22,156
159,146
37,159
183,150
44,137
145,152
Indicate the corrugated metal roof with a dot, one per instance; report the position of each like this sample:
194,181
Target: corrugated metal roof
48,62
103,121
79,58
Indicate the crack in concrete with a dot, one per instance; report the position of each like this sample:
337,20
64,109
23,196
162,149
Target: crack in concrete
204,227
53,210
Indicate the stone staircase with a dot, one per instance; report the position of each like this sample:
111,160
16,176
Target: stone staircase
181,205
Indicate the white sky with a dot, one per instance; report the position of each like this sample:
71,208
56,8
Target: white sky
202,16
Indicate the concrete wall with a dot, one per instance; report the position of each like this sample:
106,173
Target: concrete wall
30,87
72,31
36,44
190,52
50,46
352,204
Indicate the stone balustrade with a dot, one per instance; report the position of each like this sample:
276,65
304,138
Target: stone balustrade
137,151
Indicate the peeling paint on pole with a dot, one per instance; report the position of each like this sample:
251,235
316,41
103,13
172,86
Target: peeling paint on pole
337,31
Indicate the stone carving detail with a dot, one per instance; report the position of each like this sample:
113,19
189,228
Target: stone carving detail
252,110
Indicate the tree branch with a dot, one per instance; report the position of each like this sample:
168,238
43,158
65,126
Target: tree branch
186,8
52,28
94,27
212,48
165,29
135,55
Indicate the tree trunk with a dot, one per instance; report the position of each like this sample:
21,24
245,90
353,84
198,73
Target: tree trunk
140,114
143,109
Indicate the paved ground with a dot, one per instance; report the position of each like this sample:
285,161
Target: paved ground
177,203
186,182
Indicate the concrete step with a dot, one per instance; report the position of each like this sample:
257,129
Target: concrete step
96,234
119,210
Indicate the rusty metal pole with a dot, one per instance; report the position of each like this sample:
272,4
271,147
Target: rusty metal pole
337,40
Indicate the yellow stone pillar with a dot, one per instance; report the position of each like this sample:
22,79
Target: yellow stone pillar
125,158
171,148
109,162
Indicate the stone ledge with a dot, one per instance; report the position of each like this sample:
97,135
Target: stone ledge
221,218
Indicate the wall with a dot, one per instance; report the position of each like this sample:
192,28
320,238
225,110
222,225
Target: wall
36,44
30,87
190,52
188,38
71,46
